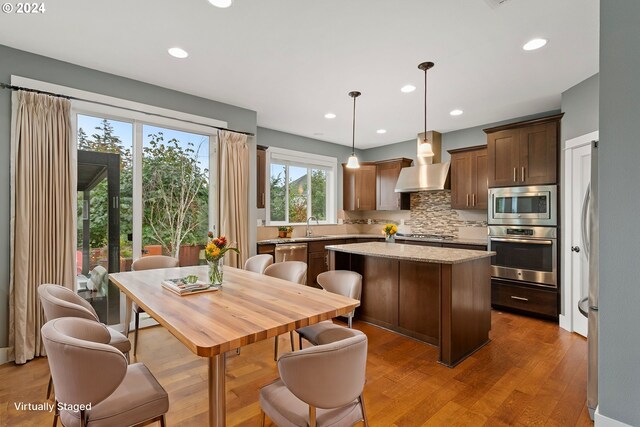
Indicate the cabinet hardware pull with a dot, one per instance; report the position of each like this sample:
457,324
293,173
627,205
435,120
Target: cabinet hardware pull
467,200
473,199
515,174
519,298
262,199
358,202
523,174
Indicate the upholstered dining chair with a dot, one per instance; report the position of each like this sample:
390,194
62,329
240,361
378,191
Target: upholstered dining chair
293,271
148,263
258,263
343,282
87,371
319,386
58,301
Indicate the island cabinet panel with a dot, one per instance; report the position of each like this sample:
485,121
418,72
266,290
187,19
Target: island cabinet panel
465,302
419,293
379,300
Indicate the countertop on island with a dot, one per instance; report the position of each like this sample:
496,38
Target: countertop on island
412,252
458,241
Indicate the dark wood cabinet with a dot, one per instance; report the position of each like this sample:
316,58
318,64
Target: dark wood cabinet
359,188
387,173
318,259
261,176
524,153
526,299
469,185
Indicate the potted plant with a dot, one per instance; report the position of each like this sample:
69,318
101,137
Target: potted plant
390,231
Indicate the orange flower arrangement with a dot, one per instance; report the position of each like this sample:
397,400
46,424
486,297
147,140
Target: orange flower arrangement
217,247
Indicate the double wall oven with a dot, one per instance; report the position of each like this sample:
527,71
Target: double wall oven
523,233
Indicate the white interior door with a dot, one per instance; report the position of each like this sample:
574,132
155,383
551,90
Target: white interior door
581,177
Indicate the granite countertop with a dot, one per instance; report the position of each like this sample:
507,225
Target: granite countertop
318,238
462,241
412,252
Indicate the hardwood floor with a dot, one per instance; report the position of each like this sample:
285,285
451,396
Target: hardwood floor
532,374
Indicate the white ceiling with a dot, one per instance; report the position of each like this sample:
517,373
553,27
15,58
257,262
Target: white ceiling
295,60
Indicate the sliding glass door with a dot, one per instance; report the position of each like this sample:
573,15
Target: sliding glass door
165,201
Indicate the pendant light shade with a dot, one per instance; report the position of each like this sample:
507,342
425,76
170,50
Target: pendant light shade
425,149
353,160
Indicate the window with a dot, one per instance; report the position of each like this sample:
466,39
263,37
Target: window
300,185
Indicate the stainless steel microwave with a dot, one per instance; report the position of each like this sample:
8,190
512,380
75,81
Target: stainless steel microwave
533,205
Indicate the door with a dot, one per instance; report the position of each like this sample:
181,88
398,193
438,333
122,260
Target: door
366,188
503,158
461,180
479,166
580,185
538,154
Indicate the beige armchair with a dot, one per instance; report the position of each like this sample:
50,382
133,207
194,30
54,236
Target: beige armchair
319,386
58,301
292,271
148,263
258,263
343,282
88,371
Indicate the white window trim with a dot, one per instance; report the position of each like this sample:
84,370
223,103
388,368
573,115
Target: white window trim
275,154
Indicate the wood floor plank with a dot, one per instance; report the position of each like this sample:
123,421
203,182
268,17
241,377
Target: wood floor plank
532,373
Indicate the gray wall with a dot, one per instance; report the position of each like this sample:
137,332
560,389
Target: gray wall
619,157
450,140
42,68
580,107
274,138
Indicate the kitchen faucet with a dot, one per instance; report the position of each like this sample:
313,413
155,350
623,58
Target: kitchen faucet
309,229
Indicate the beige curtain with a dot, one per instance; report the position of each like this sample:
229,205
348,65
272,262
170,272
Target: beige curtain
42,214
234,194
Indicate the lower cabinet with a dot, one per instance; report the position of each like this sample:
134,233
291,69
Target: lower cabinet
318,259
528,299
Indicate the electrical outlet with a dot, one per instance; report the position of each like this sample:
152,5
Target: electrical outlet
369,221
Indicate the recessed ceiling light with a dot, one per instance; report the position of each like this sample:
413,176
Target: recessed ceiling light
176,52
221,3
534,44
407,88
381,131
329,116
456,112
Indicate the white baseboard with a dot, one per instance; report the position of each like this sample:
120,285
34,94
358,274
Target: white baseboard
4,355
565,323
604,421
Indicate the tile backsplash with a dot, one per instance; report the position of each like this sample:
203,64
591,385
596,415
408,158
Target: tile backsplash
431,213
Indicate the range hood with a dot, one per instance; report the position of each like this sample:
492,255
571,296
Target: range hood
429,174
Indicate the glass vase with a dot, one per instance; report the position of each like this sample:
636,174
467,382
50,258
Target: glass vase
216,272
390,238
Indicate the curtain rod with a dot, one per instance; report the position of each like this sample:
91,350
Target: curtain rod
58,95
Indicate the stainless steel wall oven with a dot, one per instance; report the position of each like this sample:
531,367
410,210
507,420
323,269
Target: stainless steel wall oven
526,254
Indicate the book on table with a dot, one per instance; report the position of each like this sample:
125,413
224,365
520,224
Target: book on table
182,287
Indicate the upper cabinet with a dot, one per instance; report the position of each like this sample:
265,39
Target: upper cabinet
524,153
387,174
261,176
469,188
359,188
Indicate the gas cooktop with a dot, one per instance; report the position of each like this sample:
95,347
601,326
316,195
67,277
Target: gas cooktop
428,236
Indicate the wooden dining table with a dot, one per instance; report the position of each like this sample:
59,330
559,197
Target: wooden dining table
249,307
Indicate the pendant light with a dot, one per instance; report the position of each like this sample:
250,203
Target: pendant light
425,149
353,160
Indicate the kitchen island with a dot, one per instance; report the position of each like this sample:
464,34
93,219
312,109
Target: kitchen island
441,296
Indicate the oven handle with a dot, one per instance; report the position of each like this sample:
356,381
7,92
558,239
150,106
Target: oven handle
528,241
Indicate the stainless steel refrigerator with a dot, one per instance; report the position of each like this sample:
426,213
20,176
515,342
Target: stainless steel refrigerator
589,302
